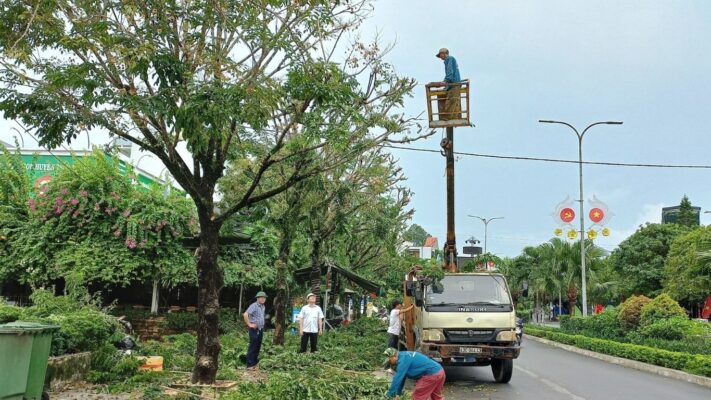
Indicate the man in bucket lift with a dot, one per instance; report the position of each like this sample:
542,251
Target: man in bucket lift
453,107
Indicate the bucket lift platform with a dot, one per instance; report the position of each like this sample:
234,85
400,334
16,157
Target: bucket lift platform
437,96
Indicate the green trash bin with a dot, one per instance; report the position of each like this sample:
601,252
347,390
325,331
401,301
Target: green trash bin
24,350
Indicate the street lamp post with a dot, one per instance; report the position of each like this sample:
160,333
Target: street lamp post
486,225
582,216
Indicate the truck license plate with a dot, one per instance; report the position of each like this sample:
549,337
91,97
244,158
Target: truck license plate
469,350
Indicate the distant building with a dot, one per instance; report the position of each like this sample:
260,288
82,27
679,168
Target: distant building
670,215
424,252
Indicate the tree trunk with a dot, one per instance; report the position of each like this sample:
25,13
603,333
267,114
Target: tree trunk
280,299
210,282
154,297
316,269
572,300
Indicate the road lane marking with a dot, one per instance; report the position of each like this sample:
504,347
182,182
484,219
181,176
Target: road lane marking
558,388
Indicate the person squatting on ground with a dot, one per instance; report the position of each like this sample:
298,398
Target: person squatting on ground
310,323
417,366
395,324
254,318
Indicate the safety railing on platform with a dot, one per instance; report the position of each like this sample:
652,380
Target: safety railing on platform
448,105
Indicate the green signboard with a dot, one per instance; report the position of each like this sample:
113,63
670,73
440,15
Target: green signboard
42,167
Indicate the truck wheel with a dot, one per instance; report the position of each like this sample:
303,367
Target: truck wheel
502,370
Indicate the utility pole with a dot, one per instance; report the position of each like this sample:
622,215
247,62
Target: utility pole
582,209
441,117
450,247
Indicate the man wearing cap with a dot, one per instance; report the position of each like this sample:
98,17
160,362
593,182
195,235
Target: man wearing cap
254,318
417,366
310,323
453,106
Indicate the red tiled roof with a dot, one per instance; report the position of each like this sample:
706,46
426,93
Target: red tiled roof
431,241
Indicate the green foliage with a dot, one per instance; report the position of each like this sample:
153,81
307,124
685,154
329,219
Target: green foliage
415,234
605,325
687,215
480,262
93,224
347,370
662,307
697,364
181,321
108,364
640,258
230,321
14,210
178,351
9,313
629,312
687,272
313,384
671,328
83,326
692,344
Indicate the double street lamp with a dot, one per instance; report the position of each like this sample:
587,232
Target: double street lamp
486,225
582,216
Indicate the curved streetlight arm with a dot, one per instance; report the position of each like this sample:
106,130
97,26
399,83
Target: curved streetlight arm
549,121
599,123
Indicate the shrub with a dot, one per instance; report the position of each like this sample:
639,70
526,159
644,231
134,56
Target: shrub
79,331
108,364
692,345
697,364
675,328
82,326
630,310
45,303
180,322
9,313
662,307
605,325
230,321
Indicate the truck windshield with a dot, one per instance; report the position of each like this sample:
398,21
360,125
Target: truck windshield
470,290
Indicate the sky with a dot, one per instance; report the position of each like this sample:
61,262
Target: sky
644,63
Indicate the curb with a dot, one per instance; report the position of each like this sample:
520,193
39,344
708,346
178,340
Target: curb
638,365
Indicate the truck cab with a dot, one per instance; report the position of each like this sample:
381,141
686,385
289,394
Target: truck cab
463,319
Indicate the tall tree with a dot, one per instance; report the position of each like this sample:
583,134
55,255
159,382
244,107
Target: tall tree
415,234
640,258
687,271
246,84
687,215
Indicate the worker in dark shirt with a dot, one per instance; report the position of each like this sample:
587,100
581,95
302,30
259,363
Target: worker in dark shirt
417,366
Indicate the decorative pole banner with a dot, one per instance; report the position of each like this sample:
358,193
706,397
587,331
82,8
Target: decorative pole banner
599,215
564,215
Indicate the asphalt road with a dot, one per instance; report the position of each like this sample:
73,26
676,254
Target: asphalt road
549,373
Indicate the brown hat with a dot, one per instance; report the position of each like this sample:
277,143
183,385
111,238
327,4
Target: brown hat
442,50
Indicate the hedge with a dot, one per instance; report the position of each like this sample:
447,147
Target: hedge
694,364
